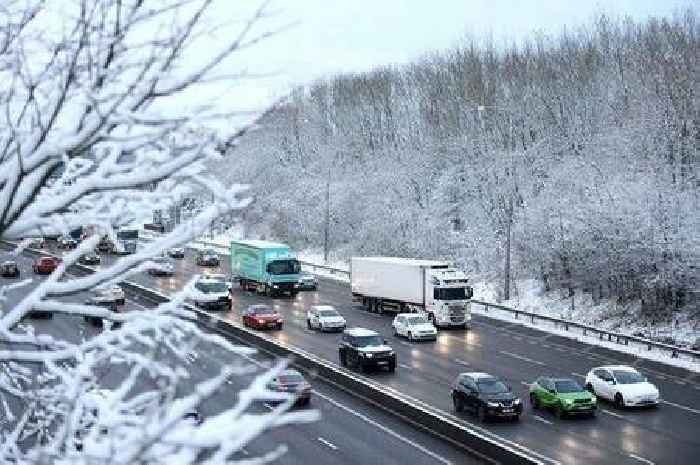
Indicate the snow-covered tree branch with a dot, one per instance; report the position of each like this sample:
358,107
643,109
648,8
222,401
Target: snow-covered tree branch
98,129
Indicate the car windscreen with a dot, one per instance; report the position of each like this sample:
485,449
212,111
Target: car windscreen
416,320
290,266
327,313
261,310
367,341
209,253
492,387
212,287
566,386
628,377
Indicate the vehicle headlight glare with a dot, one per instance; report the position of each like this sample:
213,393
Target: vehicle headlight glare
492,404
517,401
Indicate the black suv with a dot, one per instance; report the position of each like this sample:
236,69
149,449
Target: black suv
364,349
485,395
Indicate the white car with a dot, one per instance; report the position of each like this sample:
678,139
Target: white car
623,385
414,326
112,293
325,318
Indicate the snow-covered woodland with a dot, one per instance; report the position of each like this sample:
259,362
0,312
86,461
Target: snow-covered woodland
95,131
584,143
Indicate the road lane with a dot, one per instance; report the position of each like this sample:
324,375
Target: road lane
359,433
665,435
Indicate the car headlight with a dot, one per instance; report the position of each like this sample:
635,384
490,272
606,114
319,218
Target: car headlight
368,355
568,401
275,286
492,404
593,399
517,401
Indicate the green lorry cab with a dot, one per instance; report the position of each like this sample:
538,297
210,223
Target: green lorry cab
268,268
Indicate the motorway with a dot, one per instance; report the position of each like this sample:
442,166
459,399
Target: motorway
669,434
349,431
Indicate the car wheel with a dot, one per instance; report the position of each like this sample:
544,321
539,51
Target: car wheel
481,413
392,367
279,327
592,414
343,359
589,388
558,411
410,336
459,405
308,324
534,401
619,400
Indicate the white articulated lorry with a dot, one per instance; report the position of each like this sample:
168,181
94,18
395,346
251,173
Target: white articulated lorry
408,285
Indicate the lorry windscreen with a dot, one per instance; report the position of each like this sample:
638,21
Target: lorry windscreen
284,267
454,293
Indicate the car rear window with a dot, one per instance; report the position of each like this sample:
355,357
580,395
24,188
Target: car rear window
290,379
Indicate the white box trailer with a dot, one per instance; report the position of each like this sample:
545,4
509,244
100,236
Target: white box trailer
398,284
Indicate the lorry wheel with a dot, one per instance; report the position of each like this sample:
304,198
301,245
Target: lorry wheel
392,367
308,324
410,336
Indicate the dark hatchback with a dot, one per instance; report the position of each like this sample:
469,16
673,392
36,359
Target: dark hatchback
486,396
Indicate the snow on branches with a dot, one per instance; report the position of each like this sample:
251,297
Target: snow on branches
94,134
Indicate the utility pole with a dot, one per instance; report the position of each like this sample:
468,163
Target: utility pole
506,286
327,225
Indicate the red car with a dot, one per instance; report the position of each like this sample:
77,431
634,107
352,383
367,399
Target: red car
45,265
262,317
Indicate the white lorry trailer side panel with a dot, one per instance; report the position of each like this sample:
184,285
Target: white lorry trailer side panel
390,278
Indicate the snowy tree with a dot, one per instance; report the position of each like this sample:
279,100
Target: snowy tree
99,129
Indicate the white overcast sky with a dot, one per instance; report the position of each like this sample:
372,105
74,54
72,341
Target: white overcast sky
353,35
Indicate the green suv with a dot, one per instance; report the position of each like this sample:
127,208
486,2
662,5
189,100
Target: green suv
565,396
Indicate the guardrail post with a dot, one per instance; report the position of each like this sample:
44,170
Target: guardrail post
516,314
486,308
566,326
600,335
584,331
674,354
649,346
532,319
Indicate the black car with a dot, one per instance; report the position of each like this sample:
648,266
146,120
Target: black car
9,269
365,349
486,396
176,252
67,242
207,258
89,259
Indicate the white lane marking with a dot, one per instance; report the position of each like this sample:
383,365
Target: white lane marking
385,429
461,362
403,365
617,415
525,383
661,377
543,420
404,343
692,410
642,459
579,375
327,443
678,381
245,452
520,357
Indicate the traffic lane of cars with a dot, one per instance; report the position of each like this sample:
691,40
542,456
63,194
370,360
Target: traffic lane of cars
420,384
422,379
676,384
497,362
350,432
